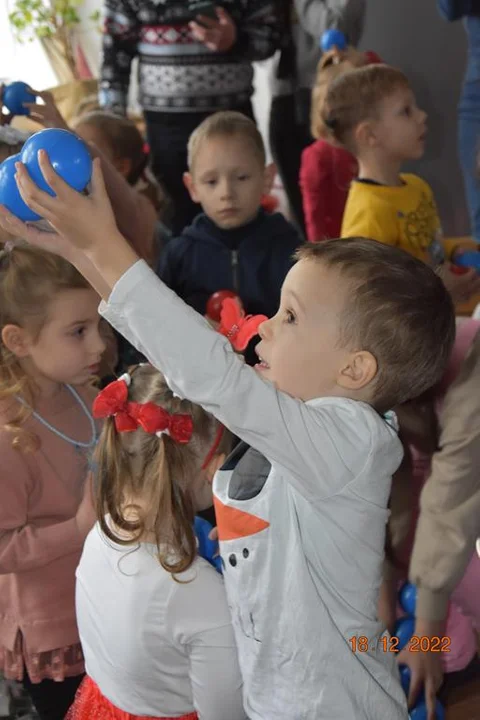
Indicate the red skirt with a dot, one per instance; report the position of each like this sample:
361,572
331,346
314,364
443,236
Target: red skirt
90,704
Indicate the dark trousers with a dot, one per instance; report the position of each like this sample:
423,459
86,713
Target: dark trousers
167,135
289,133
52,700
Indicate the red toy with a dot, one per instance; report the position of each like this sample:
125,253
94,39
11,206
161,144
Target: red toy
215,302
236,326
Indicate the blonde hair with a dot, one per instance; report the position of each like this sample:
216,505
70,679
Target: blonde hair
29,280
332,65
226,124
157,470
355,96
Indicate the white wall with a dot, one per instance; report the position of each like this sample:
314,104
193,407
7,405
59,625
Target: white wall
411,35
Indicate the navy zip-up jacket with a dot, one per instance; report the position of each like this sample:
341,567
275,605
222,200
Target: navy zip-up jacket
252,261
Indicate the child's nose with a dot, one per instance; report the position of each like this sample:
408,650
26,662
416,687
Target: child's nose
265,329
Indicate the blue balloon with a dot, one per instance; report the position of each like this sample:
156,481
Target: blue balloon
208,549
404,630
408,598
469,259
68,155
405,677
333,38
14,95
9,194
419,712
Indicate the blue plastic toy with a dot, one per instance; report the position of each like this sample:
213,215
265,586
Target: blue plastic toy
333,38
469,260
208,549
68,155
408,598
404,630
14,95
419,712
9,194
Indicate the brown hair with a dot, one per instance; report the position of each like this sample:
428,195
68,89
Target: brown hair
332,65
29,280
399,310
124,140
226,124
355,96
157,470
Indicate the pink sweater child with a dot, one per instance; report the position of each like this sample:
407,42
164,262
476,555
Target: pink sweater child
41,542
50,348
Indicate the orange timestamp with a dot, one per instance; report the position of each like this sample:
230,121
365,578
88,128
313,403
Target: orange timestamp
390,643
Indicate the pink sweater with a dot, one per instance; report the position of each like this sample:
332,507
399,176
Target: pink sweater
40,543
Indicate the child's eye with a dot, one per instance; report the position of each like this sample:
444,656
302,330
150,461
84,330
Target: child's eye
242,178
290,317
407,111
79,332
211,183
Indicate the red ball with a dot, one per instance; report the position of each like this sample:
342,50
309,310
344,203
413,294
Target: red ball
215,302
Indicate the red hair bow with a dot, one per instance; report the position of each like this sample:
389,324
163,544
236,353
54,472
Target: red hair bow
236,326
112,401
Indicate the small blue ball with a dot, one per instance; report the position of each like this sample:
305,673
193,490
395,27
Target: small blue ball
333,38
419,712
405,677
404,630
14,95
469,259
68,155
208,549
9,194
408,597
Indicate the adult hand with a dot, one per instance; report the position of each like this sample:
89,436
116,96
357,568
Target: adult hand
219,34
425,667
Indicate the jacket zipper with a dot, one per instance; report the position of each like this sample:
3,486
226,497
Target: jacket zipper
235,271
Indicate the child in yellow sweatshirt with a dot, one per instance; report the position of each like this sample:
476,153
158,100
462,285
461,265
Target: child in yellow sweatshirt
372,112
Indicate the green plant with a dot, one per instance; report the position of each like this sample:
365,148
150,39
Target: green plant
56,20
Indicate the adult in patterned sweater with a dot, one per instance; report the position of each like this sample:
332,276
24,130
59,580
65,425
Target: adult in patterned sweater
194,59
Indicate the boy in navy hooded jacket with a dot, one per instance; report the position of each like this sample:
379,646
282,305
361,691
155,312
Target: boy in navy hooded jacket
234,244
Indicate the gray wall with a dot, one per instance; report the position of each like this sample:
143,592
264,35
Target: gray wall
411,35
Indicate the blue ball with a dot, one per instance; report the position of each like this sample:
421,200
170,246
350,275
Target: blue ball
14,95
68,155
408,597
208,549
419,712
404,630
405,677
9,194
333,38
469,259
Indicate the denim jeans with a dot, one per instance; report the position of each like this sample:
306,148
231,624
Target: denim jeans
469,150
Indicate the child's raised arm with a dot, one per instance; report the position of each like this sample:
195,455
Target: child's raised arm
198,362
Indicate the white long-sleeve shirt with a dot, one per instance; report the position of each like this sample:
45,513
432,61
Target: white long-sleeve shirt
301,518
154,646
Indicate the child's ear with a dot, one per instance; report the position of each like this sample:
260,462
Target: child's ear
15,339
269,177
364,135
215,464
360,370
190,185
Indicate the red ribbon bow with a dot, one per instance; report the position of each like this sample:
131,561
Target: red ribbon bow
236,326
113,401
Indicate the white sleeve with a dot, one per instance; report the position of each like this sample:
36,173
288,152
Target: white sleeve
323,445
199,622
